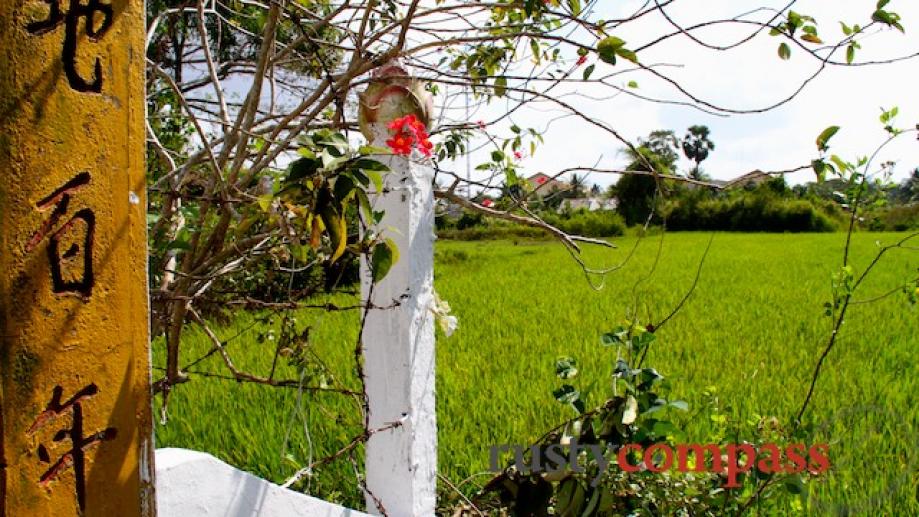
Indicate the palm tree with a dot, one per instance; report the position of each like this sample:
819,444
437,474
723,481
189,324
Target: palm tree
578,183
696,147
595,190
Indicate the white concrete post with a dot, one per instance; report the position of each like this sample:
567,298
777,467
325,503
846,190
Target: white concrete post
401,463
398,343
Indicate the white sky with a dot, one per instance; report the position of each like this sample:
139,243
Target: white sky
750,77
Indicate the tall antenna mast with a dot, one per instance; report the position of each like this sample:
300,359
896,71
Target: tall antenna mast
466,89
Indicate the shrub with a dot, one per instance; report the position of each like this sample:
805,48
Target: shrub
494,232
897,218
601,223
747,213
469,220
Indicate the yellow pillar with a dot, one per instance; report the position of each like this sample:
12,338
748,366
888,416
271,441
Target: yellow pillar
74,358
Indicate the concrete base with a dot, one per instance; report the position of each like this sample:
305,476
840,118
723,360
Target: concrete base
192,484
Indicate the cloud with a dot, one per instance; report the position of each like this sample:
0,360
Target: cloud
749,77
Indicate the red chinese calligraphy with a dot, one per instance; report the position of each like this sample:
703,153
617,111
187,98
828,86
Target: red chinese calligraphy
69,256
76,456
71,21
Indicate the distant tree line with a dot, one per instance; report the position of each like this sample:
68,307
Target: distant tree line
758,205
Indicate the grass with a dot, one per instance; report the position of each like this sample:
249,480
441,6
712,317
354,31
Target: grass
748,337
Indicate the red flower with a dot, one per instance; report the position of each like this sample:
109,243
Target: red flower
518,155
582,60
541,180
487,203
409,132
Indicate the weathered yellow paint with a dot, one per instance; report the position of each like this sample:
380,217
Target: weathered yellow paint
67,122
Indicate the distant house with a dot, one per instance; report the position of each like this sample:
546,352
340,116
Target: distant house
590,203
750,179
543,184
445,207
753,179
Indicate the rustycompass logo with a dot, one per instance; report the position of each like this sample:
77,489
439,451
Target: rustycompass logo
731,460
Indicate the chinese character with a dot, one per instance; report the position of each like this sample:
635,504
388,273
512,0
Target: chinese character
71,21
76,456
61,257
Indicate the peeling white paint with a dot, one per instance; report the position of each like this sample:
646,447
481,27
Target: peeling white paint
147,481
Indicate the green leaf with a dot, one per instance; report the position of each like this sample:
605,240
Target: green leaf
264,201
368,165
377,180
663,428
888,18
627,54
338,230
575,6
306,152
812,38
365,150
500,86
593,505
302,168
566,368
887,117
610,339
819,167
344,184
824,138
365,205
679,404
566,394
178,244
570,498
301,252
608,48
850,54
784,51
841,165
331,162
534,47
632,84
588,71
385,255
793,485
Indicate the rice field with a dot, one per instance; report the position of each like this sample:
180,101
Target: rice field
741,350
